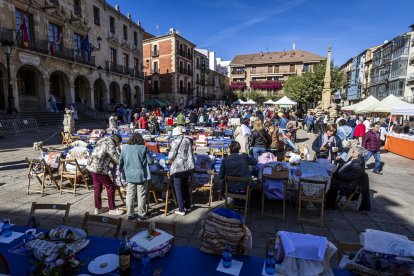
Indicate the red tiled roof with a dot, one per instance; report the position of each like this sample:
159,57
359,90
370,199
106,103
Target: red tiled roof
276,57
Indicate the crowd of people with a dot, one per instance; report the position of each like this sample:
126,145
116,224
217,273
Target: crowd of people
255,131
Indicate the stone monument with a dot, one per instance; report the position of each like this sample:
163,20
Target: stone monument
326,92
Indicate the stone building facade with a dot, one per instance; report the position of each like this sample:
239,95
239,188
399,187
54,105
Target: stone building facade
51,54
168,68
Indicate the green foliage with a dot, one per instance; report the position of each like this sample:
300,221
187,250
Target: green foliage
309,86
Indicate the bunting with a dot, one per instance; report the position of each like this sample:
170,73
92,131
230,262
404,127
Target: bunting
86,47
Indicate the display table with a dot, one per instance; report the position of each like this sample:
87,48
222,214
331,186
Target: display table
400,146
179,260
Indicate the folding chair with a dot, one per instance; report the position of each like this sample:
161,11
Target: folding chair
344,247
117,222
41,170
278,176
51,206
202,181
163,184
165,226
68,138
72,171
239,188
217,148
349,199
312,191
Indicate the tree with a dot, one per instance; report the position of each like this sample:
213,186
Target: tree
309,86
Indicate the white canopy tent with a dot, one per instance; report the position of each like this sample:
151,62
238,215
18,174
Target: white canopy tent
384,106
250,101
239,101
362,104
405,110
285,101
269,102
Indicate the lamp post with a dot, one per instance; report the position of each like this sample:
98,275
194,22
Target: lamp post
100,92
93,48
8,48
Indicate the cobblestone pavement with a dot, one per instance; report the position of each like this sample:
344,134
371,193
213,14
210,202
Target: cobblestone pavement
391,204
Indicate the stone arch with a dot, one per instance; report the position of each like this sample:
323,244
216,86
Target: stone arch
31,89
126,94
114,93
59,86
99,91
82,90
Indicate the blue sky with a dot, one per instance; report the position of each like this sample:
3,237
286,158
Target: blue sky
231,27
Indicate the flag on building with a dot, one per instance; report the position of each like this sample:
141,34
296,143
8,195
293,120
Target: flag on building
25,34
86,47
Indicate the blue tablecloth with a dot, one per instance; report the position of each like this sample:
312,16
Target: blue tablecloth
178,261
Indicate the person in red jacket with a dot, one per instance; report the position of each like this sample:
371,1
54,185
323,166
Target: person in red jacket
372,143
359,131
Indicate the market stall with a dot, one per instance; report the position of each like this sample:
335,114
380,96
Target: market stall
384,106
401,144
361,105
285,102
269,102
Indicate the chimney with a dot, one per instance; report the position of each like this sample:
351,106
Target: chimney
129,16
293,46
139,23
117,8
172,31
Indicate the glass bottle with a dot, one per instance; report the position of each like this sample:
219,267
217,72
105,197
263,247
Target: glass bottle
6,229
227,257
270,262
124,256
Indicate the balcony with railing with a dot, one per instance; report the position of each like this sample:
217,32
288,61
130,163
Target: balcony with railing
155,53
135,73
403,51
185,54
6,34
155,70
410,78
238,71
400,73
116,68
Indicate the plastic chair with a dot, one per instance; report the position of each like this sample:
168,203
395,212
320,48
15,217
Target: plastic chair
117,222
51,206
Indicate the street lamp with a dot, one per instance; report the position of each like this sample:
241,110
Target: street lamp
100,81
93,48
8,48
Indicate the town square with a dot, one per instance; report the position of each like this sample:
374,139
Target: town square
206,138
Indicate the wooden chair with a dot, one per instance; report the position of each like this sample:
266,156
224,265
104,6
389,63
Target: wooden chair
231,184
165,226
72,171
275,175
344,204
68,138
204,186
312,191
217,148
51,206
160,187
344,247
117,222
40,170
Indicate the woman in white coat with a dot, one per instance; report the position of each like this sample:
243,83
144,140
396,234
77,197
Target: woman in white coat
242,135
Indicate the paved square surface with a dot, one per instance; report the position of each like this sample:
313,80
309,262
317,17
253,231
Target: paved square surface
392,210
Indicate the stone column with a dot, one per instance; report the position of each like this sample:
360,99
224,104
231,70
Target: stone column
326,92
